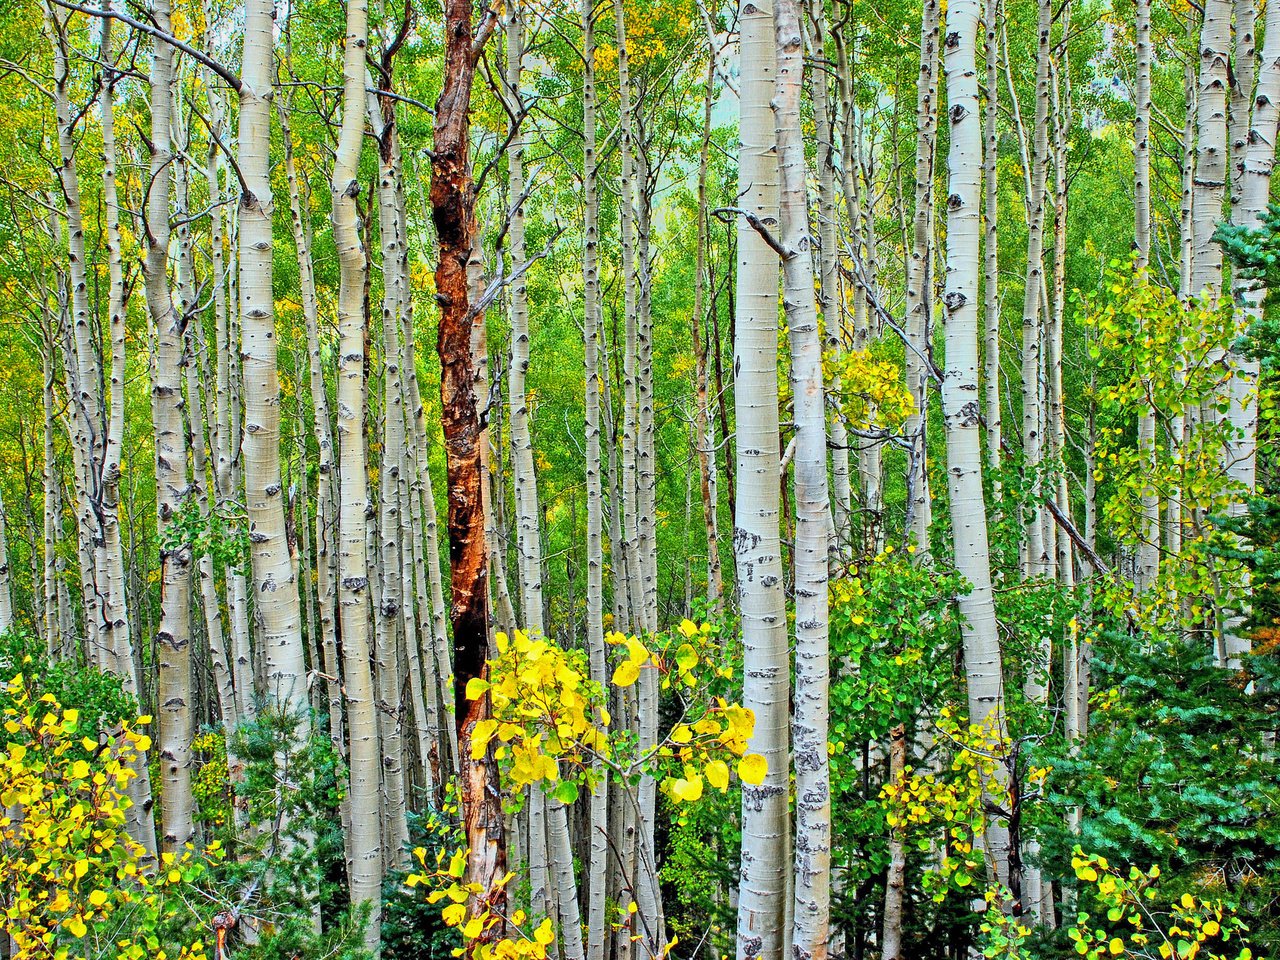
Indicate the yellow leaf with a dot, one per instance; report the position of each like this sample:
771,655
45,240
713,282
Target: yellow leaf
454,914
1116,946
718,774
544,934
626,674
752,769
76,926
97,898
476,687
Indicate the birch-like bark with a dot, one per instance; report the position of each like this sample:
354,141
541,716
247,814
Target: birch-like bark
80,355
365,868
960,407
279,619
756,540
811,923
598,846
1209,185
173,639
6,592
1036,559
991,246
1255,184
895,879
920,280
1148,554
322,425
703,425
389,620
630,424
115,612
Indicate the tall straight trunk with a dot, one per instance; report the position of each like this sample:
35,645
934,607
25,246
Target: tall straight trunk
1148,555
1244,67
1186,247
225,420
528,534
920,281
828,271
895,881
54,638
6,591
630,416
960,408
757,547
1257,165
598,846
811,924
365,868
1036,559
115,614
322,425
1209,185
703,425
390,621
453,212
991,247
173,640
80,356
279,619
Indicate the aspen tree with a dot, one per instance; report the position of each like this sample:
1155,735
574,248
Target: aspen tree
322,426
280,620
115,616
918,354
703,424
757,550
991,248
173,639
1256,167
1148,553
1211,150
812,910
960,408
598,824
1036,560
365,869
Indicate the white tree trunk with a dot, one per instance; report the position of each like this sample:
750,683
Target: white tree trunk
811,927
960,407
365,868
757,548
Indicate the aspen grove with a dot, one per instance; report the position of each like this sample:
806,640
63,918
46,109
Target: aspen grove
639,479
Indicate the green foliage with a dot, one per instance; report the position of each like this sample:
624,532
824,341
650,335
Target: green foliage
1178,772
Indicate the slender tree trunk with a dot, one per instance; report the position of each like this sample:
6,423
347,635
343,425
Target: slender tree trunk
703,426
812,911
961,411
1037,559
279,619
918,351
173,640
1148,558
598,856
895,881
757,550
364,748
991,249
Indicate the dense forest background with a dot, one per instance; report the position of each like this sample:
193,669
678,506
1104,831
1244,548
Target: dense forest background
638,478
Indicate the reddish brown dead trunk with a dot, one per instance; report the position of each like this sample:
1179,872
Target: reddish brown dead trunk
453,211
